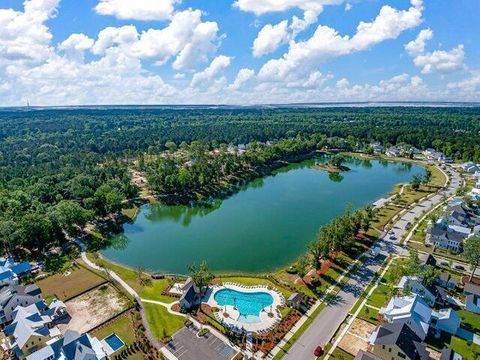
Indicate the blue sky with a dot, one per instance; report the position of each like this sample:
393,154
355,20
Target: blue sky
67,52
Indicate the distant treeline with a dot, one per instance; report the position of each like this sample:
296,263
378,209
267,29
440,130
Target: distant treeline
62,168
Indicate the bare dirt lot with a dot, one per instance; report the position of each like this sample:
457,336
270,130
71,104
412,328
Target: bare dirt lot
357,336
94,308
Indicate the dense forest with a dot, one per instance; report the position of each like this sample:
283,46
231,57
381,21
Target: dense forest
61,168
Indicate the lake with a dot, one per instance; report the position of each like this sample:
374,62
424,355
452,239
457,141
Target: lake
264,226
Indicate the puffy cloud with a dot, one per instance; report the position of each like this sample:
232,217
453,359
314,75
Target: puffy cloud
109,37
417,46
270,38
24,35
469,88
77,42
327,43
186,39
137,9
242,77
260,7
215,68
438,60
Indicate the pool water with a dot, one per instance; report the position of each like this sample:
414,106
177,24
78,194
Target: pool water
114,342
249,305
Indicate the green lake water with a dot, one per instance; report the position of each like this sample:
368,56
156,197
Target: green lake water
264,226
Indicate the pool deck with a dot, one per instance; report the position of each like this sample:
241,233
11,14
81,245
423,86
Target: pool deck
266,322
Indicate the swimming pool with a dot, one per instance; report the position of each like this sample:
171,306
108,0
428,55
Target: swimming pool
114,342
249,305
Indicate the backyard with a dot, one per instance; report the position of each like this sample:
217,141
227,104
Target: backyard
147,288
161,322
74,282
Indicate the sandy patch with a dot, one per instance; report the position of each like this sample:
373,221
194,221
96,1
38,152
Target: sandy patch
361,328
353,344
94,308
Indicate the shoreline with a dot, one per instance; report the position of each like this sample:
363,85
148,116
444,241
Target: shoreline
264,274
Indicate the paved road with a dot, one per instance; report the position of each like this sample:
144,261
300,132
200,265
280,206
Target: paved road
327,322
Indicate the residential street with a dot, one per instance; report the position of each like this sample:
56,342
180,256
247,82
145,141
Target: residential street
325,325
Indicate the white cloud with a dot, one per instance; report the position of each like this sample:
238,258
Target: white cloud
186,39
327,43
260,7
417,46
77,42
270,38
438,60
23,35
242,77
179,76
137,9
469,88
348,7
215,68
441,61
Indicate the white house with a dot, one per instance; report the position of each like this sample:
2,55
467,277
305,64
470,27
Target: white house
393,151
413,284
412,311
11,271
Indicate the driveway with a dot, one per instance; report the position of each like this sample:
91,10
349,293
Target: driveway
327,322
185,345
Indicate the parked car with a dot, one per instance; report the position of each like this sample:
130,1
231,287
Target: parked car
408,226
443,263
318,351
459,267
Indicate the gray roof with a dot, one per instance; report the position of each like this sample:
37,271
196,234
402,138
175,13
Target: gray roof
296,297
449,354
472,288
404,337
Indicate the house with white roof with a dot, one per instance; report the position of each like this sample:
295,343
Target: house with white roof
30,330
470,167
409,310
11,271
72,346
16,295
414,285
393,151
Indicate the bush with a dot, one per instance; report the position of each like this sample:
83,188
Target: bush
203,332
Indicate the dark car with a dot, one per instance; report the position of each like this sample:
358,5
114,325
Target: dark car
459,267
318,351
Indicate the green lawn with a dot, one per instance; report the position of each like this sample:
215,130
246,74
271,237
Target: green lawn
131,212
122,326
380,296
64,287
470,320
467,350
152,291
369,314
162,323
339,354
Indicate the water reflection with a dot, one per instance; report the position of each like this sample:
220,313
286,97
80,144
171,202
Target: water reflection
335,177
